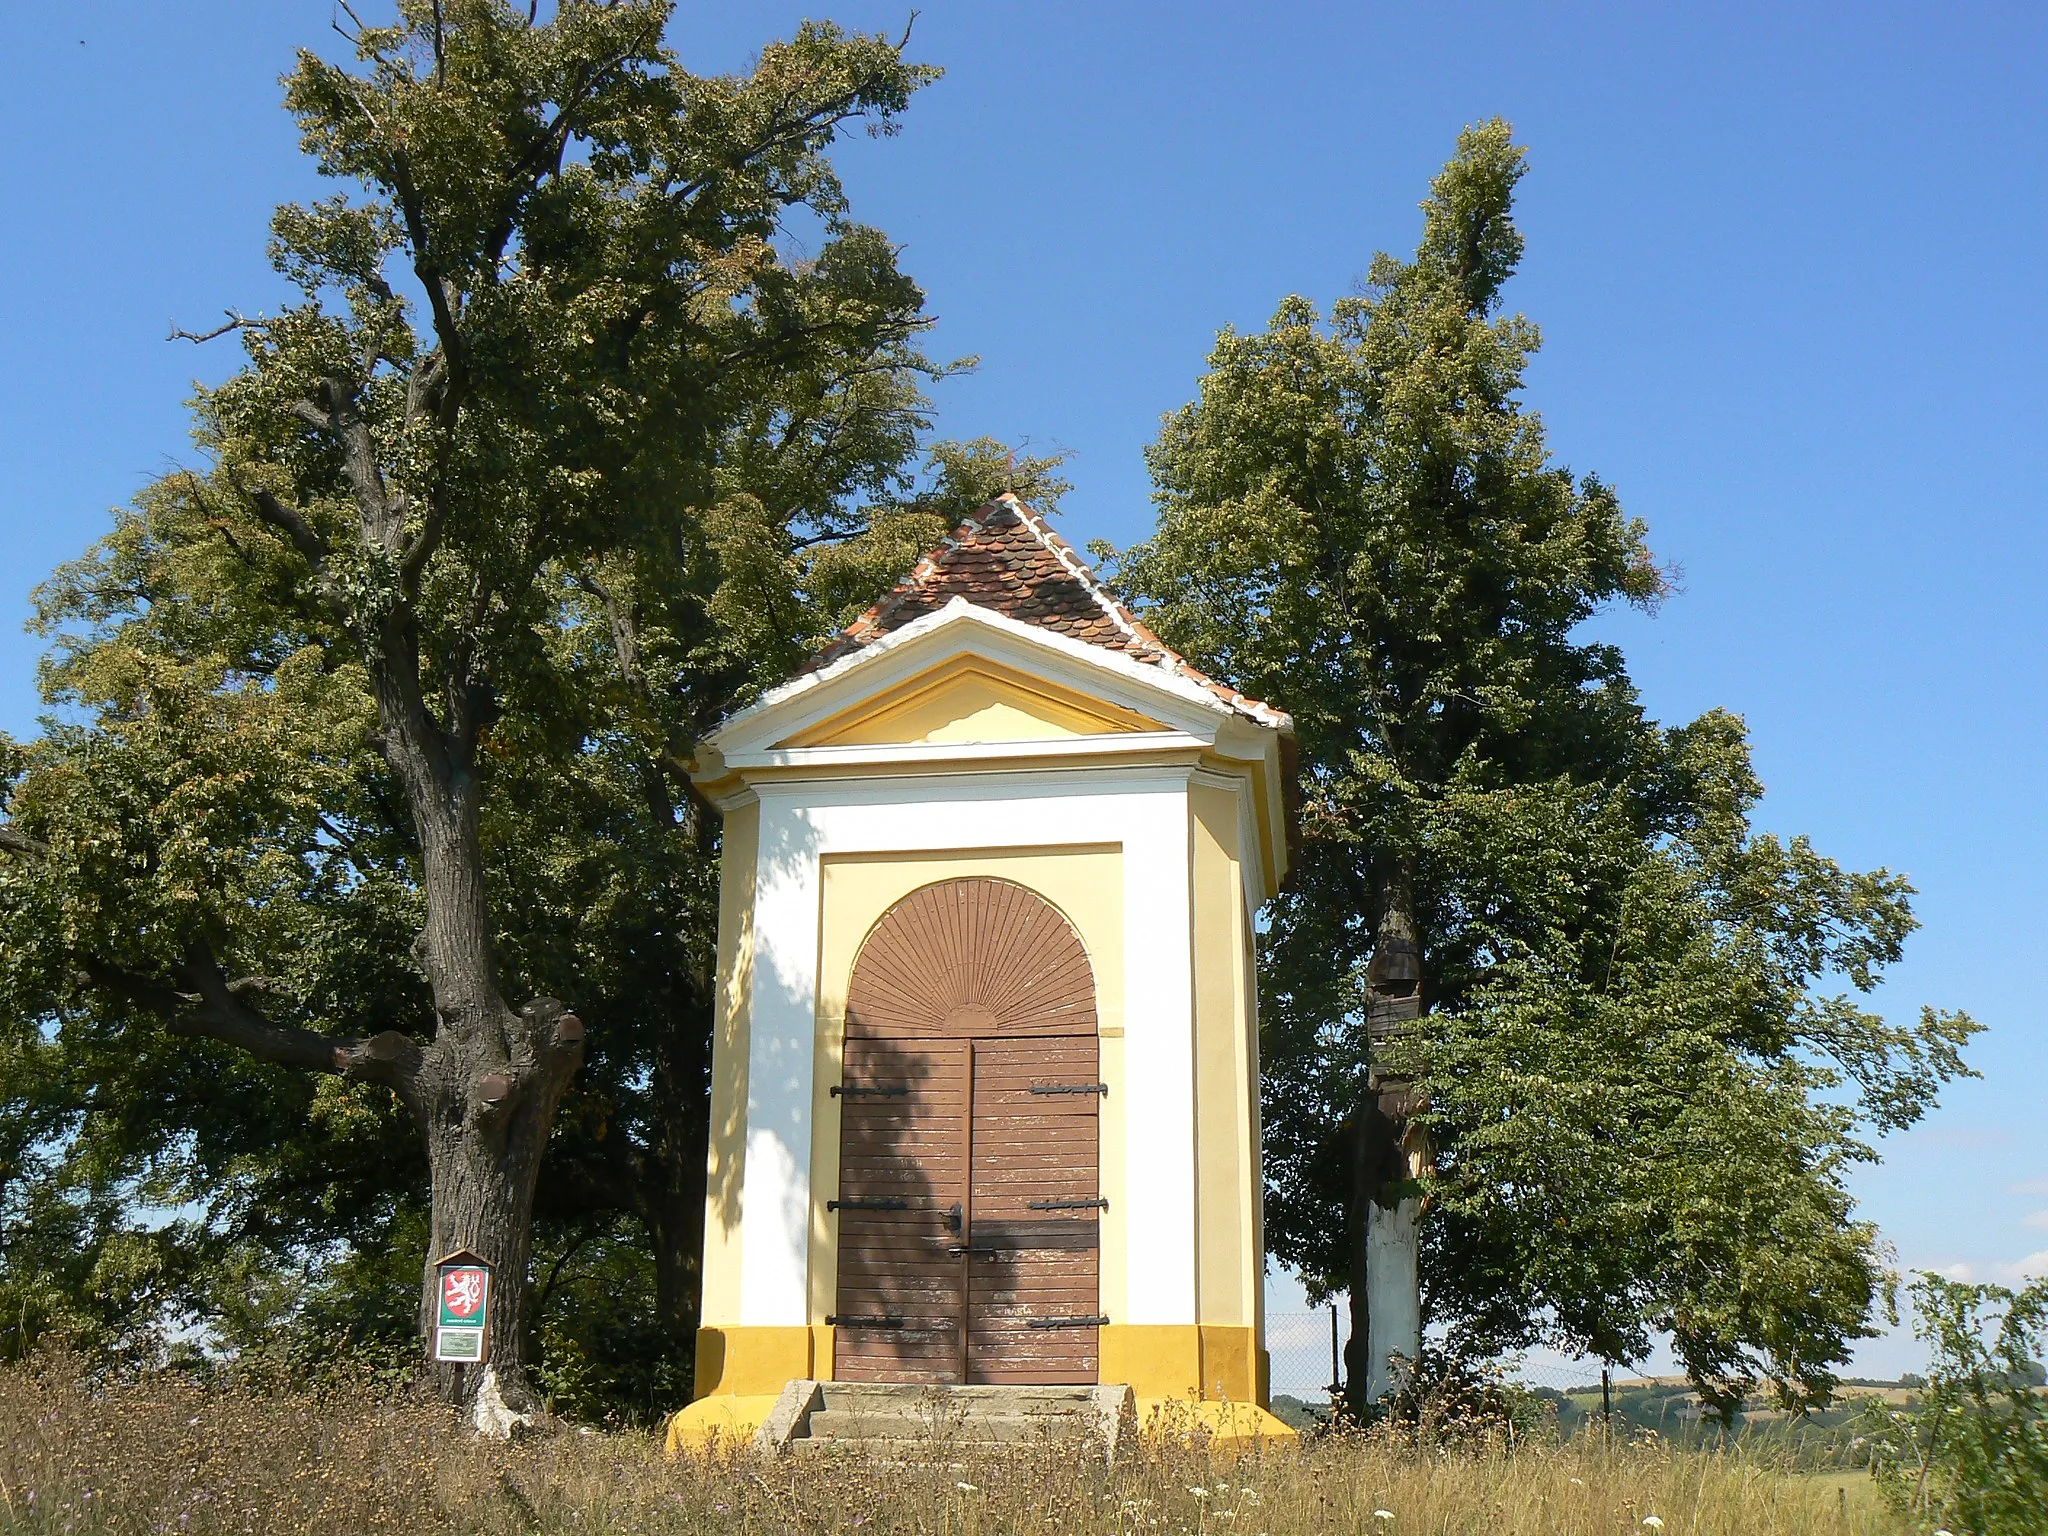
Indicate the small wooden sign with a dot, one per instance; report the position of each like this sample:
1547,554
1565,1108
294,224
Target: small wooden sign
462,1333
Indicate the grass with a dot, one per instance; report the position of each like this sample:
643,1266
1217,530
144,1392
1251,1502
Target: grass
165,1454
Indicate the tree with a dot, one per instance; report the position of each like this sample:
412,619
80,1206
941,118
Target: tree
377,722
1536,977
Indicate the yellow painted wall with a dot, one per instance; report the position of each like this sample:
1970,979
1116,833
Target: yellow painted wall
758,1361
971,699
729,1069
1086,885
1226,1222
1180,1360
1219,1357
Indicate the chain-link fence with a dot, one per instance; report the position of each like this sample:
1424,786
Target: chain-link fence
1307,1348
1299,1344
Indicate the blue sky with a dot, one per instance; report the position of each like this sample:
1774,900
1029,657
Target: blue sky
1788,261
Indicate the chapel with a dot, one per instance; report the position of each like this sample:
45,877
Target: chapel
985,1103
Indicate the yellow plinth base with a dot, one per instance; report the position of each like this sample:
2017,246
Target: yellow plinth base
1176,1360
1221,1426
715,1422
745,1362
1158,1360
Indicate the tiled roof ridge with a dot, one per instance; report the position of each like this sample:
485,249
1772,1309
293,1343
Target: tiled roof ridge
1134,626
1079,569
1140,640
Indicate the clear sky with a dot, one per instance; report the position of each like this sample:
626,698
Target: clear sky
1788,260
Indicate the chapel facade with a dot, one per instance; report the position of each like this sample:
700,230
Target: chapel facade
985,1080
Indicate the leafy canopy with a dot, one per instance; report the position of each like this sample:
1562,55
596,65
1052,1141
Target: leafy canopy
1642,1096
594,409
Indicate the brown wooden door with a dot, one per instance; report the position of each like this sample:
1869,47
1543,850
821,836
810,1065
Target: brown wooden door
903,1188
1034,1211
968,1207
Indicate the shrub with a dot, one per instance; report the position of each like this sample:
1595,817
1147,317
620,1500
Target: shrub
1970,1455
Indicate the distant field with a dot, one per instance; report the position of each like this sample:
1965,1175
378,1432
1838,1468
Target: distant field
164,1455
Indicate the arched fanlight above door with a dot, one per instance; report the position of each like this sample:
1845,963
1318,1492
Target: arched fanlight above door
971,957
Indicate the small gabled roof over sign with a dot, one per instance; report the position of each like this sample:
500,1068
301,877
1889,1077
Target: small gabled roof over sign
1004,558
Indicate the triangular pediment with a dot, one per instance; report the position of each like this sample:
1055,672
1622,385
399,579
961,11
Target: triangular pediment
1005,560
972,699
964,674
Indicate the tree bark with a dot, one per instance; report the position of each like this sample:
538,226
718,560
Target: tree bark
673,1187
1362,1139
485,1135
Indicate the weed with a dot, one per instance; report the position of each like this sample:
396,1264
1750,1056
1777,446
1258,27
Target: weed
147,1455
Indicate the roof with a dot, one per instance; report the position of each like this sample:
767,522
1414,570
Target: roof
1005,558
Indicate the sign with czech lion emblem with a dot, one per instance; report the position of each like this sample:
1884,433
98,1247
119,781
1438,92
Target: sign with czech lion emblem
464,1282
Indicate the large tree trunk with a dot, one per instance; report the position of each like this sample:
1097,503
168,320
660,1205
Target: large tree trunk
487,1086
486,1133
673,1191
1363,1136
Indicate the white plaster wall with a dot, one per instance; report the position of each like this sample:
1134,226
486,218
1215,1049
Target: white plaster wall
1143,809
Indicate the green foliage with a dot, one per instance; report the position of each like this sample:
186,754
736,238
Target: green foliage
1970,1455
1642,1094
565,447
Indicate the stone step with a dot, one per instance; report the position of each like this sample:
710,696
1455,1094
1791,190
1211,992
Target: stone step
894,1418
971,1399
848,1427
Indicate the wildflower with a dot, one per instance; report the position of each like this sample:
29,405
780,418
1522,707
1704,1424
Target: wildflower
1200,1493
1944,1533
1383,1514
967,1487
1576,1482
1653,1522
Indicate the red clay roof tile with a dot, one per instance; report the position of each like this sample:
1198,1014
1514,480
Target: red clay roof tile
1004,558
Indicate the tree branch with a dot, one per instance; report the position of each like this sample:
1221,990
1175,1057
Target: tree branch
13,840
300,534
215,1009
442,295
234,322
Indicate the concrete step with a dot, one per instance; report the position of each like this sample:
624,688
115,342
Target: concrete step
1009,1428
955,1402
896,1418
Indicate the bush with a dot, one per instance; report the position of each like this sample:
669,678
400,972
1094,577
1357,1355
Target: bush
1971,1454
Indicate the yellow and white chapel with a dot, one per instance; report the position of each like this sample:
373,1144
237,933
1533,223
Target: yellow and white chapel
985,1105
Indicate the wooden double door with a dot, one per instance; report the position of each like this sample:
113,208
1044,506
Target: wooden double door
969,1207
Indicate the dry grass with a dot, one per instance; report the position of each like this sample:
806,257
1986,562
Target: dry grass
162,1455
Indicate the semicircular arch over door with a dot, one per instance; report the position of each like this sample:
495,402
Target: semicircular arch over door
969,1186
974,956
